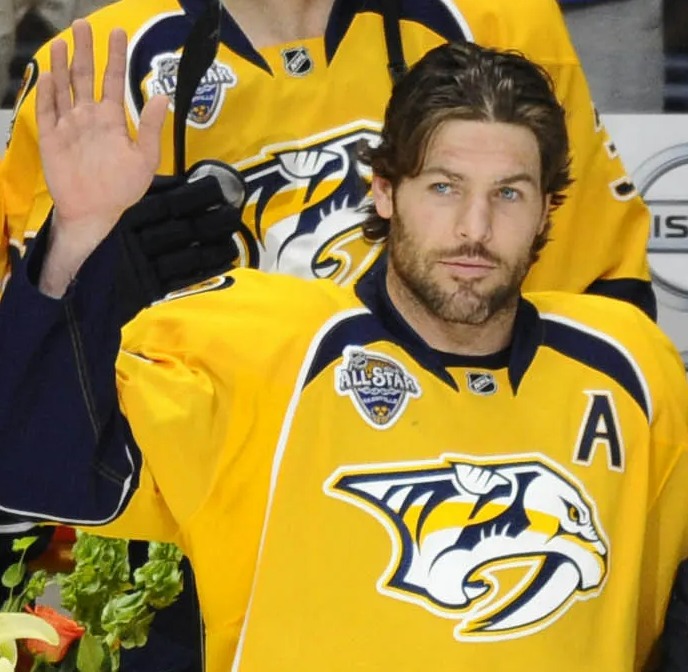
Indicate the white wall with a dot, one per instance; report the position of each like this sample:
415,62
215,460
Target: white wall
5,116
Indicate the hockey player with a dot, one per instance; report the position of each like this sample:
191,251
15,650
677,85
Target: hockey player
429,470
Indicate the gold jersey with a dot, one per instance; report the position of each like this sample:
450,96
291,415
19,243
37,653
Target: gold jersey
352,499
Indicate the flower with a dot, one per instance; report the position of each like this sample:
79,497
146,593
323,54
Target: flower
17,626
68,631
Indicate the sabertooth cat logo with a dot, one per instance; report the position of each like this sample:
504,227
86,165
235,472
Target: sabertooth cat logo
503,546
379,387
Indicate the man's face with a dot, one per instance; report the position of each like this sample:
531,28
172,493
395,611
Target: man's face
462,231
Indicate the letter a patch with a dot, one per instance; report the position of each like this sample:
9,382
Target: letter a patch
600,429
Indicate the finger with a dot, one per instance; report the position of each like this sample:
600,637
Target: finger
150,129
46,111
81,72
60,76
116,69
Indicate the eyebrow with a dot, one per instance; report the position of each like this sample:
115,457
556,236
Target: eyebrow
516,177
458,177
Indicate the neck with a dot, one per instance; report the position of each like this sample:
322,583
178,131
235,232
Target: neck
493,335
270,22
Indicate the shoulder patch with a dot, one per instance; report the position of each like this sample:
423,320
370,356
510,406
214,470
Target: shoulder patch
210,93
379,387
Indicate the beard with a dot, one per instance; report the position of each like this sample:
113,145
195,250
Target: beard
468,301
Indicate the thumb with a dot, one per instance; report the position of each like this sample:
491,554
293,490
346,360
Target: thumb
150,130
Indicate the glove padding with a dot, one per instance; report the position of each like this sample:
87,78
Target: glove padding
180,233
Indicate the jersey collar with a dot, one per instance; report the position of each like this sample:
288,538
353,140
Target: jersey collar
517,357
231,35
433,14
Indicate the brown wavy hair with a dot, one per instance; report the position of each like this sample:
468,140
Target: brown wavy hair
466,81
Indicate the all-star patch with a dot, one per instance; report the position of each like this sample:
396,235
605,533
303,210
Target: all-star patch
378,386
297,61
210,92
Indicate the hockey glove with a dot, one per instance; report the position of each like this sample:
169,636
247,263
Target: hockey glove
180,233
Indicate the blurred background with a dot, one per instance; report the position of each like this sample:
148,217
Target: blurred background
635,52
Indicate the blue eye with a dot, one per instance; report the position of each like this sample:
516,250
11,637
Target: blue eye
441,187
508,193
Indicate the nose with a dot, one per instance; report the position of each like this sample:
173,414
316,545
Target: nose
474,221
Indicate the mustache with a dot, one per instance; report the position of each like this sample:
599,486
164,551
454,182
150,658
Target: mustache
470,250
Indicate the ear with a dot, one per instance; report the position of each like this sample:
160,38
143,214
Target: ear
382,196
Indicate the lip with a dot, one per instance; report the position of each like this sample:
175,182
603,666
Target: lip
469,267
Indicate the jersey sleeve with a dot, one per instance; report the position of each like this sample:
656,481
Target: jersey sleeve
666,525
138,452
599,235
666,546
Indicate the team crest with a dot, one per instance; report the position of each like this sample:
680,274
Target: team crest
482,384
210,93
297,61
502,546
303,201
378,386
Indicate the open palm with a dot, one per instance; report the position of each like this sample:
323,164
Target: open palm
93,169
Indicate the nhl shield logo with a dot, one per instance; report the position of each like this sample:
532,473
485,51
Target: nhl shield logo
483,384
297,61
379,387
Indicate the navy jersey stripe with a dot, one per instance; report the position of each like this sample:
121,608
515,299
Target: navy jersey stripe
361,330
599,352
433,14
637,292
166,35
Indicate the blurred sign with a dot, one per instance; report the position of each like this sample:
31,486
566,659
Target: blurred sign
655,150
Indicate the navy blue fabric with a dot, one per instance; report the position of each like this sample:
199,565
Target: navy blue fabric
58,394
596,353
637,292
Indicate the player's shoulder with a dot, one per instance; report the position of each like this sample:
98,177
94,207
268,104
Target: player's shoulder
534,27
618,319
248,300
132,16
295,295
609,328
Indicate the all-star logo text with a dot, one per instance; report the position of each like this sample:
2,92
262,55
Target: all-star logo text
379,386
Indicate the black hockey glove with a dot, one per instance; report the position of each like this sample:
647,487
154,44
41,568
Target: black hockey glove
180,233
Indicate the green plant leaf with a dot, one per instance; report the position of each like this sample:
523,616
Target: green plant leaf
90,655
22,543
13,575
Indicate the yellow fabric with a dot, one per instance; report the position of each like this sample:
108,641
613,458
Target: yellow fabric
205,382
292,138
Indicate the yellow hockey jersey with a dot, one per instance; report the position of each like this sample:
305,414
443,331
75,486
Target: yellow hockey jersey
289,117
352,499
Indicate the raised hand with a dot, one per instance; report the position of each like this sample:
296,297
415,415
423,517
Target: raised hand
93,168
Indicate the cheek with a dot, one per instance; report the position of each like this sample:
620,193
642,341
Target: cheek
514,235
